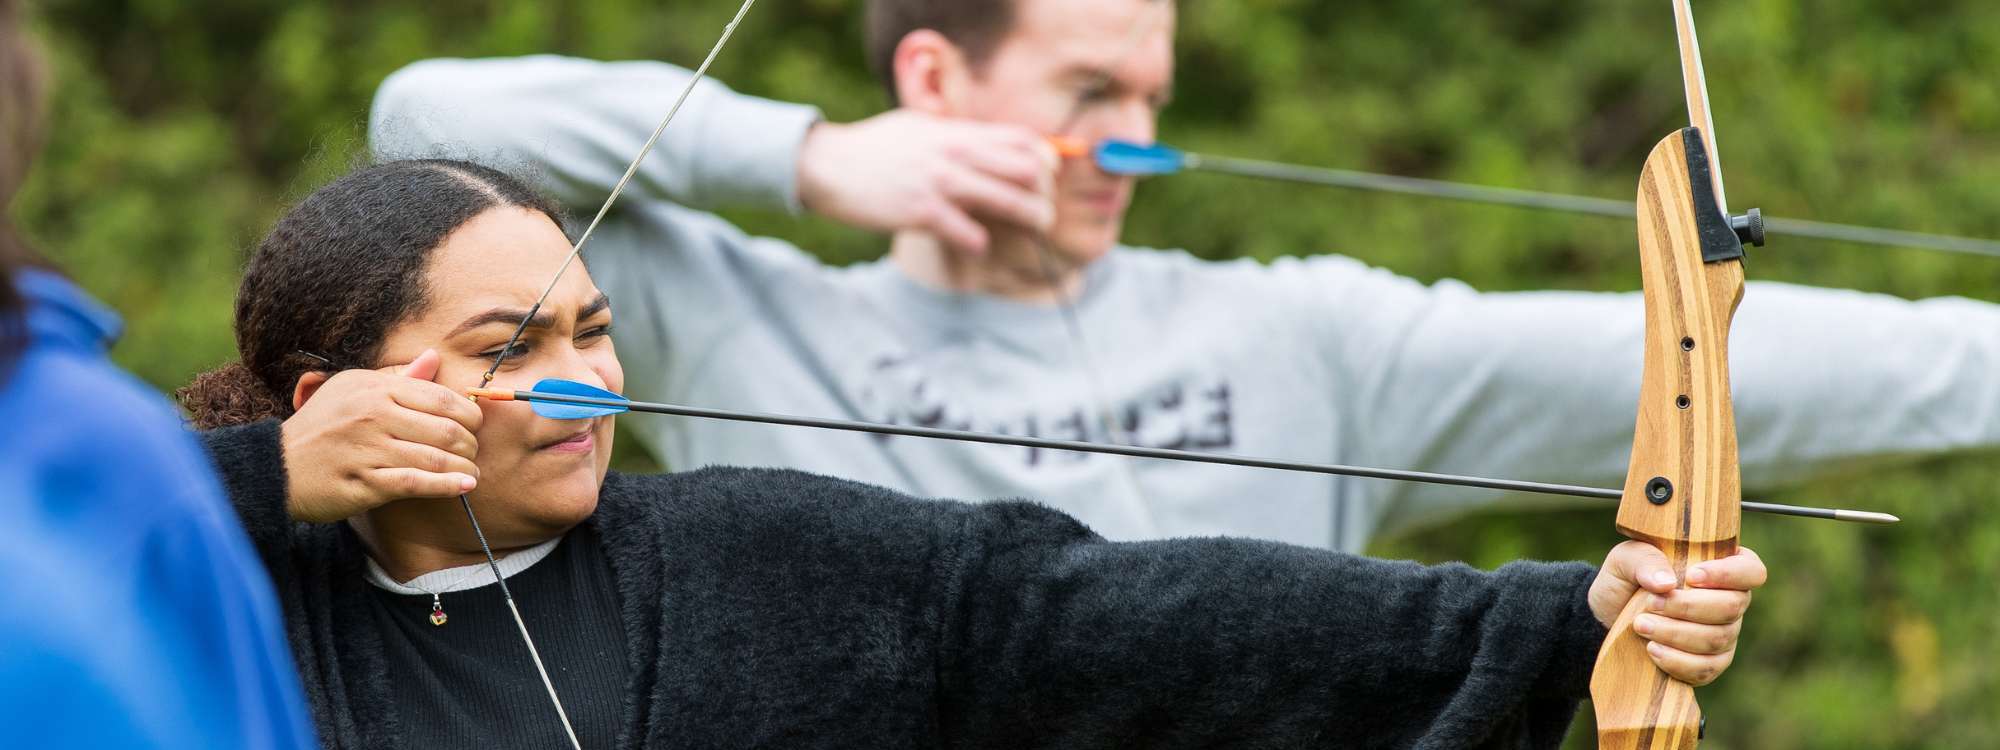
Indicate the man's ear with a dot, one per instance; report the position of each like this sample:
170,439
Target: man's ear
931,74
309,384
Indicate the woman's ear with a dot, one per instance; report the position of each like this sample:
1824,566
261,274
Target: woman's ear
309,384
930,73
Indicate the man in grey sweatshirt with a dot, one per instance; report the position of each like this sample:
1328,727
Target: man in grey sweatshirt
1001,252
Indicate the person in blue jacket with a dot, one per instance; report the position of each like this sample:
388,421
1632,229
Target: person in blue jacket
132,611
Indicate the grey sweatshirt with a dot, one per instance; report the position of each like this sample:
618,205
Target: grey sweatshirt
1318,358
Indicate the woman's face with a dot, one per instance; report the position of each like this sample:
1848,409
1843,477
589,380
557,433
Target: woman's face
537,477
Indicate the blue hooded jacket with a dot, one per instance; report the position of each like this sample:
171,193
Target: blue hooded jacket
133,612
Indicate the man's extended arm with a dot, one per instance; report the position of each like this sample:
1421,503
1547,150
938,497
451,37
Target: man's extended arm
571,126
1543,385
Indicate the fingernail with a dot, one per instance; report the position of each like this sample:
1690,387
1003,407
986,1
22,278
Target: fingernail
1643,624
1697,575
465,484
1663,578
1655,649
1657,603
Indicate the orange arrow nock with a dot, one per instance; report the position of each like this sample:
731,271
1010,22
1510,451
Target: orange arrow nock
492,394
1070,148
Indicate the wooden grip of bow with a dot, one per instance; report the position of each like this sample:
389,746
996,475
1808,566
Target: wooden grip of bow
1683,491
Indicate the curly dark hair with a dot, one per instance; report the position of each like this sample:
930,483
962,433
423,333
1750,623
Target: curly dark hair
341,269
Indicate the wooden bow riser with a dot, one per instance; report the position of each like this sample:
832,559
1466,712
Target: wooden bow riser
1683,490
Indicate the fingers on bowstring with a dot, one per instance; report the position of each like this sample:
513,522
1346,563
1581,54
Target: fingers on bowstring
1019,140
429,459
432,399
1019,166
399,482
984,195
424,428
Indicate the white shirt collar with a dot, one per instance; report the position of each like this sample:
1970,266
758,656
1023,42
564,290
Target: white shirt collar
463,577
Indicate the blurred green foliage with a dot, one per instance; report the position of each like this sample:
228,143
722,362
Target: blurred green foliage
181,129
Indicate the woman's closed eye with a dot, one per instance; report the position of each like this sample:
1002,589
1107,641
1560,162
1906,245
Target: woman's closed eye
521,348
514,352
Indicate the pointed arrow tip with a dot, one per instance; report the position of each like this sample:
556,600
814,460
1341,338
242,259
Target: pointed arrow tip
1866,516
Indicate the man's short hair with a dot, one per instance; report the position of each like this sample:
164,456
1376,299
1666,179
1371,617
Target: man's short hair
976,26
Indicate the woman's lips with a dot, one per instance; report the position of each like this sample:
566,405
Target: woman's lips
582,441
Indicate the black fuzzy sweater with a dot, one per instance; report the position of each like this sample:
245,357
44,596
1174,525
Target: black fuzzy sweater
773,608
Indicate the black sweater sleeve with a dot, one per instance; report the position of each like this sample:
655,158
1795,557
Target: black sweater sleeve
1060,639
251,460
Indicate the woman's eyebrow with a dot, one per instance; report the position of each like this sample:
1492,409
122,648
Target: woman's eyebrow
508,315
512,316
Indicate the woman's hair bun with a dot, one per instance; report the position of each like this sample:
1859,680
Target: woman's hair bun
229,396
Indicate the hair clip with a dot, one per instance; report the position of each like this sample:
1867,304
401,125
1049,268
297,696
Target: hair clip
329,363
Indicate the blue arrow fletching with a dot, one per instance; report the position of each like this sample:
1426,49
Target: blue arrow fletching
1125,157
553,410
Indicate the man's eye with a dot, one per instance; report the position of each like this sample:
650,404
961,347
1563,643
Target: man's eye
594,333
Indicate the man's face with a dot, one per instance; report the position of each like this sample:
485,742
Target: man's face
1088,70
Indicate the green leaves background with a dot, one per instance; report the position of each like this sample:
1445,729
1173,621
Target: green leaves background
181,129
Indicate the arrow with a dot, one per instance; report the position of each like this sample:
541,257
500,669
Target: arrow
556,398
1142,160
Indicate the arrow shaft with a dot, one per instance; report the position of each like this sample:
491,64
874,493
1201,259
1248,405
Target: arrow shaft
1575,204
1381,183
1366,472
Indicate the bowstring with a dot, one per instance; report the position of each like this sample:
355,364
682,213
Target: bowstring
575,251
1153,12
